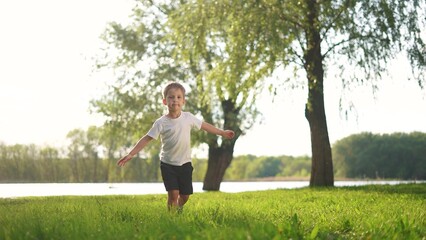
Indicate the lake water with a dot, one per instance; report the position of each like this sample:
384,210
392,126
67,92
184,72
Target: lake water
11,190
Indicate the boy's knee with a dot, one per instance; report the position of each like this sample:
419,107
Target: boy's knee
184,198
173,195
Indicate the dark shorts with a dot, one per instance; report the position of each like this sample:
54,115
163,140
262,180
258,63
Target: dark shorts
178,177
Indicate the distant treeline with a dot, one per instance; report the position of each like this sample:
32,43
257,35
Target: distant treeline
365,155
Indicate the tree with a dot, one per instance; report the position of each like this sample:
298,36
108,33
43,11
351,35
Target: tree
367,155
308,35
223,74
155,39
49,170
83,154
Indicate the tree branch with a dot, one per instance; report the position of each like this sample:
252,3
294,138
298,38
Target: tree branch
337,16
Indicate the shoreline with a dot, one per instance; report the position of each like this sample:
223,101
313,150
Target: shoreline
265,179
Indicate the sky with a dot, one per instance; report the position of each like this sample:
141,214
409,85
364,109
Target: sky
47,79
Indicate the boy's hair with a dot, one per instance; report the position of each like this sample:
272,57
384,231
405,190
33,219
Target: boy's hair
173,85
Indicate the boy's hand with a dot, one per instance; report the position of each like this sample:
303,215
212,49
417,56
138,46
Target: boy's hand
228,134
124,160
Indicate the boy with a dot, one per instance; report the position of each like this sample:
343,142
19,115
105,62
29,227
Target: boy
174,130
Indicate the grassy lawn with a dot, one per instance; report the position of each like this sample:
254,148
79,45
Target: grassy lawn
366,212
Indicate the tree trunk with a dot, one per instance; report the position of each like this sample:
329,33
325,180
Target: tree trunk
95,167
322,165
219,160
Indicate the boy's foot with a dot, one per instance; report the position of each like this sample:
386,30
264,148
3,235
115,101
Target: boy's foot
180,210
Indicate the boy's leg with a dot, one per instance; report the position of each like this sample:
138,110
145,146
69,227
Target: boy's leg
173,199
178,183
185,184
183,199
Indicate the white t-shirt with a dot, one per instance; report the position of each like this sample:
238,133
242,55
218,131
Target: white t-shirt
175,137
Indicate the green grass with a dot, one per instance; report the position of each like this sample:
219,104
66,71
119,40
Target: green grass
367,212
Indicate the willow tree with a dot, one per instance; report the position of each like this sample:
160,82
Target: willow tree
358,37
154,49
141,62
226,82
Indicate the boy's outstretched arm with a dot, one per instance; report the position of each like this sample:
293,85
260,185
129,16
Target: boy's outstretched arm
214,130
139,146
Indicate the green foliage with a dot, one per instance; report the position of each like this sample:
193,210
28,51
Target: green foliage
84,163
367,34
397,155
200,168
86,159
30,163
157,37
261,36
252,167
224,49
140,56
368,212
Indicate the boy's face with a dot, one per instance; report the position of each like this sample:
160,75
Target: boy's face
174,100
